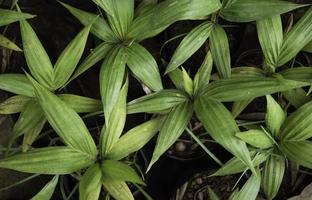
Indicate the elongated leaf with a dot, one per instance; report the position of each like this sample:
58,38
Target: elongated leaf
81,104
273,175
144,6
171,129
202,76
99,27
299,152
120,171
37,58
94,57
243,72
250,189
239,106
17,84
111,78
298,125
30,118
256,138
212,195
134,139
90,183
220,51
5,42
275,116
298,74
270,34
10,16
250,10
68,60
65,121
144,67
221,126
297,38
189,45
48,190
188,84
297,97
114,126
31,135
176,76
14,104
235,165
240,88
48,160
156,102
117,189
150,24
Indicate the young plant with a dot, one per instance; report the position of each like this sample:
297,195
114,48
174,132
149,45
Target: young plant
233,11
8,17
205,99
282,138
125,29
80,151
32,118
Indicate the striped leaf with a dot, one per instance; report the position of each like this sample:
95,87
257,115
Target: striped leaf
144,67
6,43
48,190
14,104
90,183
298,151
272,175
10,16
274,117
117,189
65,121
48,160
256,138
189,45
81,104
298,74
172,128
220,51
17,84
202,77
221,126
297,97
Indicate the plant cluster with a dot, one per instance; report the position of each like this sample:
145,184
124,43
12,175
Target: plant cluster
262,150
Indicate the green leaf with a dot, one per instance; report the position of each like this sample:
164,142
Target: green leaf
94,57
250,10
65,121
212,194
243,72
176,77
172,128
297,38
48,190
297,97
250,189
308,48
99,27
157,102
298,74
37,58
150,23
256,138
144,6
144,67
235,165
240,88
30,118
298,126
274,117
69,58
221,126
111,78
10,16
187,83
48,160
239,106
90,183
5,42
273,174
17,84
189,45
81,104
14,104
220,51
202,76
298,151
114,125
31,135
134,139
120,171
271,28
117,189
